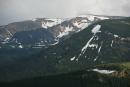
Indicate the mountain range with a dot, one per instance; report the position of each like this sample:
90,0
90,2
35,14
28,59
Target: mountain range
87,48
43,32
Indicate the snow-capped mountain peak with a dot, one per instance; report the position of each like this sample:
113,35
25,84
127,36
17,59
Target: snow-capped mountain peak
55,29
46,23
65,32
94,17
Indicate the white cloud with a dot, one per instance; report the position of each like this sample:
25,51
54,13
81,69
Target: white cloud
16,10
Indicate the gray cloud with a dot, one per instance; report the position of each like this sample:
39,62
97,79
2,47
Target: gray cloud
17,10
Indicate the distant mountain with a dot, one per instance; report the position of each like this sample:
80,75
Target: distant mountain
102,42
12,35
32,39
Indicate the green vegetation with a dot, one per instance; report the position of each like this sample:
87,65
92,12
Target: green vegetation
46,68
82,78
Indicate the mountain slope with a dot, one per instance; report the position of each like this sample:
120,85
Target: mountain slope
88,48
102,42
35,38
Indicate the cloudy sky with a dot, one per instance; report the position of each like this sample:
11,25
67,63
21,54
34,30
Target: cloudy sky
18,10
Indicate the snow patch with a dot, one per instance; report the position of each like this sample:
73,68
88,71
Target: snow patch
7,39
72,59
65,32
62,34
83,24
100,48
40,45
95,59
112,43
77,59
87,45
96,29
55,43
67,29
93,45
116,36
104,71
20,46
92,17
51,23
102,18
